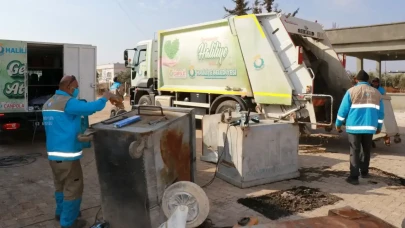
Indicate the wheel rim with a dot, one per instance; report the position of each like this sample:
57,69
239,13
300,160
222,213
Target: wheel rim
186,199
226,109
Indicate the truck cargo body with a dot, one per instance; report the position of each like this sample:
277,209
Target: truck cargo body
273,64
29,75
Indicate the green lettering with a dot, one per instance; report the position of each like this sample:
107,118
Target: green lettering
16,69
14,90
215,52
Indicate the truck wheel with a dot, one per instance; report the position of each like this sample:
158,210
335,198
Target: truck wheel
145,100
226,106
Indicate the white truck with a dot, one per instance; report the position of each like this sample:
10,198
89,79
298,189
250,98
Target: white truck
280,66
30,73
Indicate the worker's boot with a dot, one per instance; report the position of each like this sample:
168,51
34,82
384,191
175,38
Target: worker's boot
353,180
59,204
70,214
57,217
79,223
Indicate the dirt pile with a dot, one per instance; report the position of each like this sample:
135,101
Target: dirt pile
287,202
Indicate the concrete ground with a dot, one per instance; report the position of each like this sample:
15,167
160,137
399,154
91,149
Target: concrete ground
26,192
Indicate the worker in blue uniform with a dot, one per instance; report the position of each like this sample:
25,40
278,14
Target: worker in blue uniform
115,85
119,91
362,110
376,84
62,119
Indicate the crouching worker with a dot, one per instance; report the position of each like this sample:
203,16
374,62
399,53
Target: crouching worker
119,91
363,111
62,119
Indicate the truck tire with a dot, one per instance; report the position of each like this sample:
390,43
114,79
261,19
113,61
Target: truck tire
145,100
225,106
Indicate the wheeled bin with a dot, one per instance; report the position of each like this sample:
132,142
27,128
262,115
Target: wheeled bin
137,162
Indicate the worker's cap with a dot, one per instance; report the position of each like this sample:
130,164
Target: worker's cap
376,80
362,76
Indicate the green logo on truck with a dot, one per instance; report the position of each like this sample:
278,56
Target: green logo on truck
258,62
215,51
14,90
16,69
171,48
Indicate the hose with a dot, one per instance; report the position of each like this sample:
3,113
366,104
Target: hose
18,160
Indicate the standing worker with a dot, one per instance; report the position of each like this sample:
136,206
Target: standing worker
362,110
376,84
62,119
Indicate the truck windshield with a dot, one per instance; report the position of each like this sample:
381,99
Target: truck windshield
134,59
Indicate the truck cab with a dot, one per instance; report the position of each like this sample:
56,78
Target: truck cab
143,72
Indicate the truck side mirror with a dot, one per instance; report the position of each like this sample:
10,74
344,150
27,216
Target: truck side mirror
126,56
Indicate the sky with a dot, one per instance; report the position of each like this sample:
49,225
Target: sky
115,25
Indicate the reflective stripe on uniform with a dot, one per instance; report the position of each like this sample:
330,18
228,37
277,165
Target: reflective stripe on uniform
380,121
361,128
66,154
365,106
340,118
51,110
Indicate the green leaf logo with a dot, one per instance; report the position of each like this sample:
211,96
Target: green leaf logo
171,48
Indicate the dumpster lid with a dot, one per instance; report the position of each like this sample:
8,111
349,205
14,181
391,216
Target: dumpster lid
151,119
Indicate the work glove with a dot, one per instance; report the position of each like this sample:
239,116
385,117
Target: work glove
378,131
339,129
108,95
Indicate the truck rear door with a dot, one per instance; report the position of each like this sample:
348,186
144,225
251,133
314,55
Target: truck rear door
13,78
80,61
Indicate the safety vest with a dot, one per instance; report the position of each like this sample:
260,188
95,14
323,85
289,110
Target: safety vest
61,130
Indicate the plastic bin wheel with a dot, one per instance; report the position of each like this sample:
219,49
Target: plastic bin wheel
188,194
397,139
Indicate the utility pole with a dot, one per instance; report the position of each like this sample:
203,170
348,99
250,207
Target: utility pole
385,66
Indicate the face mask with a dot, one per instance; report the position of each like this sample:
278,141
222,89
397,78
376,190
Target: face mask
75,93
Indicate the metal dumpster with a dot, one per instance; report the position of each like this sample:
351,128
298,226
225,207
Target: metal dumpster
390,126
137,162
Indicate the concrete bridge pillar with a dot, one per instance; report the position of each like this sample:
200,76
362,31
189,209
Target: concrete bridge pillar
360,64
378,69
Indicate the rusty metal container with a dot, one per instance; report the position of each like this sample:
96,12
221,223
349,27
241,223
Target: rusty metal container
136,163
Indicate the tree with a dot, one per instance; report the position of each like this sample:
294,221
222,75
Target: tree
241,8
256,7
276,9
268,5
124,76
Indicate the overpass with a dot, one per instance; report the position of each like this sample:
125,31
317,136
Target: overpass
381,42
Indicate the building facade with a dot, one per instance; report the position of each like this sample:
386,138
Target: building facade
107,72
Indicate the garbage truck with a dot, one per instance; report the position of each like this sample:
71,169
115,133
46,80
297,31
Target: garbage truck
274,64
29,75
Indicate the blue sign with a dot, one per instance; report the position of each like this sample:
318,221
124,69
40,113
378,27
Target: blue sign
12,50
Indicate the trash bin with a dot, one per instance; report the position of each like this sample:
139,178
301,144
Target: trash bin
136,163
